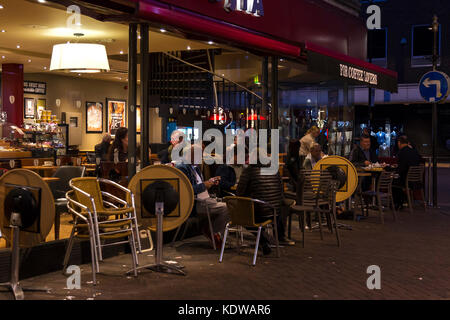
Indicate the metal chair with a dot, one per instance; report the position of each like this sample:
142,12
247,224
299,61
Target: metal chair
86,226
88,193
414,178
316,194
190,221
59,189
383,191
242,213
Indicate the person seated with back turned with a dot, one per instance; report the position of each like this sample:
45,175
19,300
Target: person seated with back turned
230,173
313,157
101,149
217,210
407,157
268,188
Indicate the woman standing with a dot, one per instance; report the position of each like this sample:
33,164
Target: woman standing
308,140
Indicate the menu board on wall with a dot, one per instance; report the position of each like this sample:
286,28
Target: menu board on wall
35,87
116,114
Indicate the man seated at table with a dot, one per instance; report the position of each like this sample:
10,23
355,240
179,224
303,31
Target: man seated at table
217,210
313,157
407,157
268,188
363,155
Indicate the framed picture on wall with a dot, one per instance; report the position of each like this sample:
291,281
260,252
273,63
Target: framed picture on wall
138,119
29,108
115,114
41,105
94,117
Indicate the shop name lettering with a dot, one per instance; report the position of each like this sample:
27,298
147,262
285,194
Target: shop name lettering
253,7
358,74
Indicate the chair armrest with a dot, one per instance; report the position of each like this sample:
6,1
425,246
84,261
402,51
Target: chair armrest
115,184
77,204
109,195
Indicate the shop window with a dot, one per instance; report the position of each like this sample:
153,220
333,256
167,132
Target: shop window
377,46
422,45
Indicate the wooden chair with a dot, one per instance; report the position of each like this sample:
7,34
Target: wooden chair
242,214
415,181
383,191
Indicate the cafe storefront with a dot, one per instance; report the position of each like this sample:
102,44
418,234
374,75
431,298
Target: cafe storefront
230,64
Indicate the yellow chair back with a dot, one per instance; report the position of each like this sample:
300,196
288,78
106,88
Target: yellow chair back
91,186
241,210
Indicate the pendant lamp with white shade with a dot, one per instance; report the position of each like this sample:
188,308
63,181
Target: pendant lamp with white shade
79,58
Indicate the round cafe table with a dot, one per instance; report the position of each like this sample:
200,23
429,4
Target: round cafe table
43,171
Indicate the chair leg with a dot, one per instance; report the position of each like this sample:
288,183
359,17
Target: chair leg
68,250
380,209
410,203
136,232
258,237
94,260
303,227
238,240
133,253
176,234
290,225
277,242
224,242
336,226
97,235
319,217
134,248
423,199
211,228
394,213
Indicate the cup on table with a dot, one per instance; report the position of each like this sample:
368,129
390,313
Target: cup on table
36,162
78,161
58,162
12,164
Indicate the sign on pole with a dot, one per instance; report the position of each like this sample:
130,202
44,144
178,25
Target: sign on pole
434,86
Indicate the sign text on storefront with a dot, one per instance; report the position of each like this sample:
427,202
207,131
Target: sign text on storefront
358,74
253,7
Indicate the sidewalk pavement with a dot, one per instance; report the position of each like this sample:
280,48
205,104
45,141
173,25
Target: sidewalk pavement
411,252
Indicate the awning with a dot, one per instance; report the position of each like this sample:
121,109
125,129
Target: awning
354,71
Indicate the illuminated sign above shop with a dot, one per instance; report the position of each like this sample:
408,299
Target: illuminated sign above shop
358,74
253,7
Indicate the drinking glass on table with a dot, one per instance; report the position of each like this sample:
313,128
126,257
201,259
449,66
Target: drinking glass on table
58,162
36,162
12,164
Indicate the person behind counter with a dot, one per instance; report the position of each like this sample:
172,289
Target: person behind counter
308,140
101,149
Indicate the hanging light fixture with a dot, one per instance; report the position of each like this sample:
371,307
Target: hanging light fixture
79,57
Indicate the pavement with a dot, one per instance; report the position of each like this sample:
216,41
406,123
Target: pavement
412,254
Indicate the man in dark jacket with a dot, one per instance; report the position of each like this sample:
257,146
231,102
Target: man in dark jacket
407,157
101,149
268,188
217,210
363,155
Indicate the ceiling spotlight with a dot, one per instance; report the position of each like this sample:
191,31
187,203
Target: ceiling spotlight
189,47
3,31
210,42
281,60
163,30
45,68
41,1
18,46
1,7
139,37
3,57
29,60
121,52
79,74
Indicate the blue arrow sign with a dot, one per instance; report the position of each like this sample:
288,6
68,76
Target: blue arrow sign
434,86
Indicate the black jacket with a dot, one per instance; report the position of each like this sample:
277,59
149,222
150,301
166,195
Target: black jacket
101,150
267,188
357,156
227,176
407,157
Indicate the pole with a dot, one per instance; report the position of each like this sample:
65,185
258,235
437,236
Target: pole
274,93
145,117
132,97
265,91
435,26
